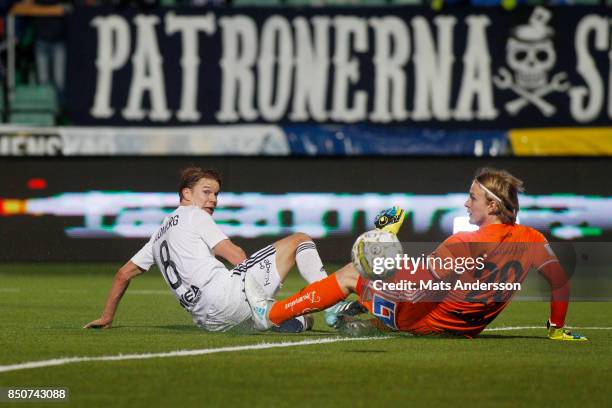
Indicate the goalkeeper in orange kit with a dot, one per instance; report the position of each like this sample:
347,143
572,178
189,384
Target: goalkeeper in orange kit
507,250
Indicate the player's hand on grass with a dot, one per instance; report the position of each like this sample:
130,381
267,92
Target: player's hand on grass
390,219
99,324
559,333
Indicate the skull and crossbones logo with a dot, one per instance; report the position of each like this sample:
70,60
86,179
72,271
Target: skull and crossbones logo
530,53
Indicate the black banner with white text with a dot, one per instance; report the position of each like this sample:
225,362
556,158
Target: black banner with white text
472,68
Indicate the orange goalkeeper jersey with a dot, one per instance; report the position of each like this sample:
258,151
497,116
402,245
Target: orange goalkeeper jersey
506,252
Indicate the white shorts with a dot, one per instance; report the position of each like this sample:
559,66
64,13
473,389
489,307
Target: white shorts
224,305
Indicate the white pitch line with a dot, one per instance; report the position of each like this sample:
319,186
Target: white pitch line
198,352
543,327
180,353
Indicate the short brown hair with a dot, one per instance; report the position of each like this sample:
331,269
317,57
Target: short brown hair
506,187
191,175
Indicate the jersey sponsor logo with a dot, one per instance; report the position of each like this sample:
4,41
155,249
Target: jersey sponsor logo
191,297
310,296
385,310
261,312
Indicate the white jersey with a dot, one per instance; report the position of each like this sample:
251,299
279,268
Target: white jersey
182,248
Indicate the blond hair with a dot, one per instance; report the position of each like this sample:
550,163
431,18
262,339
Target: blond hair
503,188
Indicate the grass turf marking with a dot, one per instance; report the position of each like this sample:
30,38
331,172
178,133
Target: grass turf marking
179,353
542,327
198,352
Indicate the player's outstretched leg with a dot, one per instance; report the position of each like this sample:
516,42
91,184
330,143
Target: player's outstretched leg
315,297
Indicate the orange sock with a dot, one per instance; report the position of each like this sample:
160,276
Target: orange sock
317,296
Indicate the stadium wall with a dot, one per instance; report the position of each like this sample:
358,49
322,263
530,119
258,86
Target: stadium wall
300,140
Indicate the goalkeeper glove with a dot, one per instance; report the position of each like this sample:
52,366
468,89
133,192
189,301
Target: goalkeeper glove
559,333
390,219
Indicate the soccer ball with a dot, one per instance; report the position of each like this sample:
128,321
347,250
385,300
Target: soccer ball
372,245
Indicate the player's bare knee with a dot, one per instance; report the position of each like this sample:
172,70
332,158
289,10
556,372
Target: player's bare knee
291,242
300,237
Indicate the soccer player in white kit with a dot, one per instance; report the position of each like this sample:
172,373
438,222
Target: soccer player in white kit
185,248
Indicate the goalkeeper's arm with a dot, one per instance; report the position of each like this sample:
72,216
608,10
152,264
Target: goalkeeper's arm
120,284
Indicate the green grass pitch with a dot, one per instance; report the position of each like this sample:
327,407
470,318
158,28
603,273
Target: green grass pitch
44,306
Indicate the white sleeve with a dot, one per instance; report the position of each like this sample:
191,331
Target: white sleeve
144,258
207,229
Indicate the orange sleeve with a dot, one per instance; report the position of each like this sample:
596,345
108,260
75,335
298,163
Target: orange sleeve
546,263
559,292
